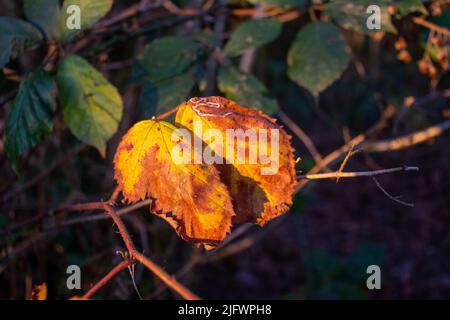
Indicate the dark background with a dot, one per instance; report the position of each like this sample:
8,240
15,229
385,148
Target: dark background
320,249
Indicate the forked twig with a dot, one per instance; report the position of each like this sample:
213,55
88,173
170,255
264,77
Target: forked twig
344,162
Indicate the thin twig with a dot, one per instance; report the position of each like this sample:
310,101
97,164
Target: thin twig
344,162
121,266
168,113
330,175
396,199
356,141
303,138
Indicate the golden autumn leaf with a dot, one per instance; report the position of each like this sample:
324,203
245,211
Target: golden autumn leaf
39,292
190,197
261,190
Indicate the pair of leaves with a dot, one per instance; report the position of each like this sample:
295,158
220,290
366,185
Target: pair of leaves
52,19
318,56
202,202
91,106
168,68
47,19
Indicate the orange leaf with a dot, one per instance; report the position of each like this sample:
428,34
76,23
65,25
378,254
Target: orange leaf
190,197
261,191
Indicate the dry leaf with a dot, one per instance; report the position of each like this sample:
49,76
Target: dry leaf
203,199
190,197
257,197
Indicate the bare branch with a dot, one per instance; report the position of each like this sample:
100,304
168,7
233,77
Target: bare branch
157,270
355,174
408,140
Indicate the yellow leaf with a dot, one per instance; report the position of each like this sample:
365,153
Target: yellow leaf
190,197
261,190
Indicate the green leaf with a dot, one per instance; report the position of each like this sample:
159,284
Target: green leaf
283,3
92,107
91,11
45,14
245,89
31,117
352,15
167,94
252,34
167,57
406,7
318,56
16,36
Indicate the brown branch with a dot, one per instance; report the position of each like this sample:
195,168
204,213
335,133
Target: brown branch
332,175
121,266
157,270
408,140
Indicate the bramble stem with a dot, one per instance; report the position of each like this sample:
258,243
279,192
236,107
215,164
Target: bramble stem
170,281
338,174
